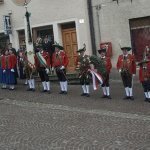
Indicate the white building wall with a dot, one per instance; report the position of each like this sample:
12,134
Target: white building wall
114,21
49,12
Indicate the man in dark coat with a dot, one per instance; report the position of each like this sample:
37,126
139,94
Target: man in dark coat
48,47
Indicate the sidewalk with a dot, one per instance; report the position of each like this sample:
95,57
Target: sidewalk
73,98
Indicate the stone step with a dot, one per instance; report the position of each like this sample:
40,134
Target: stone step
73,77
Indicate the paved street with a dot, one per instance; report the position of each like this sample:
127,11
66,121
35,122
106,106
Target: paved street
37,121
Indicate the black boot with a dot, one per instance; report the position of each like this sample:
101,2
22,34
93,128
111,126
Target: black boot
131,98
126,97
104,96
109,97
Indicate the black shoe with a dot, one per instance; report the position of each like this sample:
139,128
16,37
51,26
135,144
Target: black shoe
126,97
11,89
146,99
61,92
29,89
4,88
104,96
65,92
83,94
44,91
131,98
33,90
49,92
109,97
87,95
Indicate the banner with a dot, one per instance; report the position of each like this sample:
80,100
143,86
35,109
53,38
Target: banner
96,77
7,25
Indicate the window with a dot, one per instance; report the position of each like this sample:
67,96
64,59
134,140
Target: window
1,1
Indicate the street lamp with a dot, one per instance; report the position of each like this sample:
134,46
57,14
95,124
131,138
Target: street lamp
98,8
28,35
27,15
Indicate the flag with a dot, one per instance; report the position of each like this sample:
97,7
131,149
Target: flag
96,77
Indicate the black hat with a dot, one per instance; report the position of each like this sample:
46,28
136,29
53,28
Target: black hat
81,49
126,48
143,62
102,50
58,46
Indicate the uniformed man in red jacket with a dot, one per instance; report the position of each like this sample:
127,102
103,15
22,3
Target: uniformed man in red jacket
42,63
83,63
127,68
107,62
144,77
60,62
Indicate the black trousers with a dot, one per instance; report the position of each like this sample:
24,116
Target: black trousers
61,74
105,80
21,73
127,79
146,85
43,75
85,79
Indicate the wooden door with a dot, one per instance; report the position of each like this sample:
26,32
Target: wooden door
140,35
70,47
140,39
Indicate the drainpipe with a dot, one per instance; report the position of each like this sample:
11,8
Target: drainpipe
91,23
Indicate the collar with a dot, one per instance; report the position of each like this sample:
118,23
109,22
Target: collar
125,55
83,55
57,53
103,57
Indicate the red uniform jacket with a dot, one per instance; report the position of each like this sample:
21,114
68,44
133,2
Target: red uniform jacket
144,72
107,62
14,59
129,64
1,60
60,59
9,62
46,57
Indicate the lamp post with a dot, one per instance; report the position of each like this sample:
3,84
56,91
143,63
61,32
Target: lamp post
28,33
27,15
98,8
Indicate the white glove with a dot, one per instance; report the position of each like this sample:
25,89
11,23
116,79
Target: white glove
4,71
119,70
12,70
47,70
62,67
52,68
133,75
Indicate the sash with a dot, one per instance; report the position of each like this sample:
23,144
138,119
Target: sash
95,77
29,63
41,59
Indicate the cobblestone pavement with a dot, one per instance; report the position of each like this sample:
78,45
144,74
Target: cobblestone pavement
73,99
41,121
36,126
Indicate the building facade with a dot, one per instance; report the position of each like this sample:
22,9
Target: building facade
70,22
64,21
126,23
